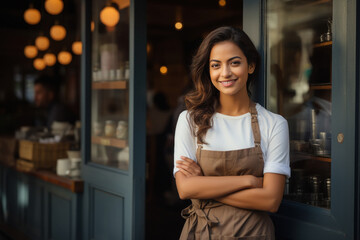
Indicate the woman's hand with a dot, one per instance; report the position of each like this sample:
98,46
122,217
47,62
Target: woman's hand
189,167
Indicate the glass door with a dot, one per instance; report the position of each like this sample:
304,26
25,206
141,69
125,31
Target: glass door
114,113
299,87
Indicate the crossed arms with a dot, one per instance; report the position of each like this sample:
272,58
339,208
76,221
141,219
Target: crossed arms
244,191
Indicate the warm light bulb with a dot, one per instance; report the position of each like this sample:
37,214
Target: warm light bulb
30,51
178,25
54,7
92,26
163,70
64,57
42,43
222,3
57,32
32,16
109,16
77,47
39,64
50,59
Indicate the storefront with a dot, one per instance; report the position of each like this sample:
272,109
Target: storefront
309,75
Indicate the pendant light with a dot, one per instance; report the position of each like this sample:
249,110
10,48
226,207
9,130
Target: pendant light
30,51
50,59
42,43
39,64
64,57
109,16
77,47
54,7
57,32
32,16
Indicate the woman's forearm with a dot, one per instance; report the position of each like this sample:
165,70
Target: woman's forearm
267,198
210,187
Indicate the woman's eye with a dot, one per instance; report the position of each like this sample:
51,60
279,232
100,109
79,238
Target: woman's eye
235,63
215,65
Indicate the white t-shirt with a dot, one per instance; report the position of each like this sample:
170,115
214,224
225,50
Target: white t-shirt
234,132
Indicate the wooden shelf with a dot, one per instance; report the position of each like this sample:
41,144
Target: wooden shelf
106,141
308,156
321,87
323,44
109,85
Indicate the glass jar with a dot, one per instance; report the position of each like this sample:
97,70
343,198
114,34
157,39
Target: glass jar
109,128
122,130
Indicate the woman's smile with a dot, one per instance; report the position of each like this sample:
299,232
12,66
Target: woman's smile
228,83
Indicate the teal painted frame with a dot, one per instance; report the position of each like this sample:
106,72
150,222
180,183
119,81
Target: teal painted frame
340,222
129,184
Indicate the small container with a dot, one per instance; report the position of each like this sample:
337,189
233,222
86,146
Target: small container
127,70
110,128
98,129
122,130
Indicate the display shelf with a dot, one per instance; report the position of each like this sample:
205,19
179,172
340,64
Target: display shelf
106,141
326,86
323,44
109,85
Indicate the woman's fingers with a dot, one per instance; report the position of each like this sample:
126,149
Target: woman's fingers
190,166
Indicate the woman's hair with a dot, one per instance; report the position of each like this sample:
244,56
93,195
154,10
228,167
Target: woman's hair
204,99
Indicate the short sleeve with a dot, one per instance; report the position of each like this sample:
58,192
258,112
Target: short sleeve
185,144
277,159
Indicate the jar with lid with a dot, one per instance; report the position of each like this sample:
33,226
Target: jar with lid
110,128
122,130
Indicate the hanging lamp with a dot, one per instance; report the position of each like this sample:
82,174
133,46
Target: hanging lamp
77,47
54,7
50,59
64,57
109,16
42,43
57,32
32,16
39,64
30,51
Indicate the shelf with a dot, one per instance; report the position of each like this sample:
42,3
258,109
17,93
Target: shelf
308,156
106,141
323,44
327,86
109,85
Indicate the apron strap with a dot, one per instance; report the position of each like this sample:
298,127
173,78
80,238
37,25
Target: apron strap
255,124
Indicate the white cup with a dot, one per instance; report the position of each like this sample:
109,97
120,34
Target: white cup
62,165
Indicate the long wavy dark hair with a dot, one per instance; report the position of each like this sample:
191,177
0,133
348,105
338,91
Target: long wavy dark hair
203,101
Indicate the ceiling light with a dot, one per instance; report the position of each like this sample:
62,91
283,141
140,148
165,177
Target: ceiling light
64,57
77,47
50,59
32,16
163,70
54,7
30,51
178,25
39,64
109,16
222,3
57,32
42,43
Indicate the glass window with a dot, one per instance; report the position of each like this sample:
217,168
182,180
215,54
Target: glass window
110,78
299,43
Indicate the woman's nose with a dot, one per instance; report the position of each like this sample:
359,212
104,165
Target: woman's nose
226,71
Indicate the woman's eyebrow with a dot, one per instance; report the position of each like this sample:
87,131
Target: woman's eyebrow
214,60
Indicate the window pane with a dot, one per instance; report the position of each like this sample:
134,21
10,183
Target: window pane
299,88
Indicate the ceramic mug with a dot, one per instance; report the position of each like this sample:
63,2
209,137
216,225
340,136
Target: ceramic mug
62,165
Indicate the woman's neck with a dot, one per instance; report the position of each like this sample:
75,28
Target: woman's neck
234,105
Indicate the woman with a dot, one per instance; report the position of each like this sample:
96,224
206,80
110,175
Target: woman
231,155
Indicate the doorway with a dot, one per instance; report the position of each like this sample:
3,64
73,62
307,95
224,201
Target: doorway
175,30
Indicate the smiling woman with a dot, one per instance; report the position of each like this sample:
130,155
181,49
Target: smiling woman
231,154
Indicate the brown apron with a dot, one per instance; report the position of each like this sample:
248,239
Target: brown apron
209,219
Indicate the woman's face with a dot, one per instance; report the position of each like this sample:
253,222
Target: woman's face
229,68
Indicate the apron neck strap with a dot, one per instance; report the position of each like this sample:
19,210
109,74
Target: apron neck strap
255,124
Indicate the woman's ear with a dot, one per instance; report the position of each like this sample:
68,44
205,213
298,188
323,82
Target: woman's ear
251,68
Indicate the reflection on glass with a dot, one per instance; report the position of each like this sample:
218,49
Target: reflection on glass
299,88
110,88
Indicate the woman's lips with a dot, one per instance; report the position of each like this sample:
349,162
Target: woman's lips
228,83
